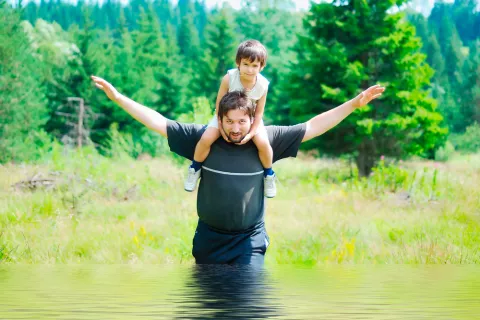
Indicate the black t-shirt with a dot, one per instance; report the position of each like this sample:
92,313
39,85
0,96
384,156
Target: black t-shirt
230,193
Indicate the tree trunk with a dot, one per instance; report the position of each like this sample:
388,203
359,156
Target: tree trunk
81,114
365,159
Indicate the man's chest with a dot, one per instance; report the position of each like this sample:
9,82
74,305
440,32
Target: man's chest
239,160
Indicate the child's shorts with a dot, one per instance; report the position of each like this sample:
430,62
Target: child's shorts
214,123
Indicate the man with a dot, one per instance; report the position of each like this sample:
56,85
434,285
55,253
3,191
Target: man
230,202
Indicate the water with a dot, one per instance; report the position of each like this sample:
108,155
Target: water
225,292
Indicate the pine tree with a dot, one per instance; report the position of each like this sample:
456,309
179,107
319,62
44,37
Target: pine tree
471,85
149,52
201,18
23,109
449,77
68,75
165,13
171,92
121,71
157,65
421,25
349,46
188,38
464,13
220,45
255,21
189,44
30,12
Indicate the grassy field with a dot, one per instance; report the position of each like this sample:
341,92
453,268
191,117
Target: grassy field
92,209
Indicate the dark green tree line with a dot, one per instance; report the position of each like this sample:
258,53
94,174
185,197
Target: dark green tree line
167,56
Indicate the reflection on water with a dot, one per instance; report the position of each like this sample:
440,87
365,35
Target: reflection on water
225,292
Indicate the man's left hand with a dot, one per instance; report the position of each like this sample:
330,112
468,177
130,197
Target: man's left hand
368,95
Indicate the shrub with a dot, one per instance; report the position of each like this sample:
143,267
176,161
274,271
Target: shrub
468,142
444,153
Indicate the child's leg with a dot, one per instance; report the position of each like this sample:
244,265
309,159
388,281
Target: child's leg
202,149
203,146
265,153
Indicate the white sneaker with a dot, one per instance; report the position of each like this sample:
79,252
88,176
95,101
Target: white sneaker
192,179
269,187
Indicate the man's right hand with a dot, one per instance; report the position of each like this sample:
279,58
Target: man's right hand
149,117
106,87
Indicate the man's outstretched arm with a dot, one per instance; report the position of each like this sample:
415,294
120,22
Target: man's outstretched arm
327,120
149,117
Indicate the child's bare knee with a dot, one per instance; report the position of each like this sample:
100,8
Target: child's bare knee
209,136
262,143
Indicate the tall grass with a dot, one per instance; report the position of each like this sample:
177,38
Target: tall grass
120,210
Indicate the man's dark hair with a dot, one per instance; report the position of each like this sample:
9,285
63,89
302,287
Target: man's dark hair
236,100
251,50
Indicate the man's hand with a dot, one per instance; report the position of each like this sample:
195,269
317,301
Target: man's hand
149,117
106,87
327,120
368,95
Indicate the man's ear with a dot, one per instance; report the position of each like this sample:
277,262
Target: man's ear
261,69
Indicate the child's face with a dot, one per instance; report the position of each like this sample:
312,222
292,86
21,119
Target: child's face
249,69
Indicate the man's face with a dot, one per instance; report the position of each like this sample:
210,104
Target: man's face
236,124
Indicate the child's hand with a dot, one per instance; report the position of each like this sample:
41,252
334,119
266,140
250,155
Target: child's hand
247,138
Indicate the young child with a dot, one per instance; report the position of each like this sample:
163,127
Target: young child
251,59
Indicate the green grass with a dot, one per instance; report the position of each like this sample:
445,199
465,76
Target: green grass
119,210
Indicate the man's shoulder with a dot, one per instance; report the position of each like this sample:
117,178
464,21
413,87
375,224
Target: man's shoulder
284,129
285,140
187,129
183,137
280,132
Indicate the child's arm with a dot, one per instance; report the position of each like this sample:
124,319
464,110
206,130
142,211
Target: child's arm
259,109
224,86
258,119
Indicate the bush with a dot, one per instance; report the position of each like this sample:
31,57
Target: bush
388,177
468,142
123,144
444,153
29,148
201,112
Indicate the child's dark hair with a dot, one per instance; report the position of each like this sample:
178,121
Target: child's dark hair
252,50
236,100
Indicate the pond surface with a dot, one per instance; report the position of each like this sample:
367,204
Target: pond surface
225,292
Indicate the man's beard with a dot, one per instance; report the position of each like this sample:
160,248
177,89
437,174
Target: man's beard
237,140
233,140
